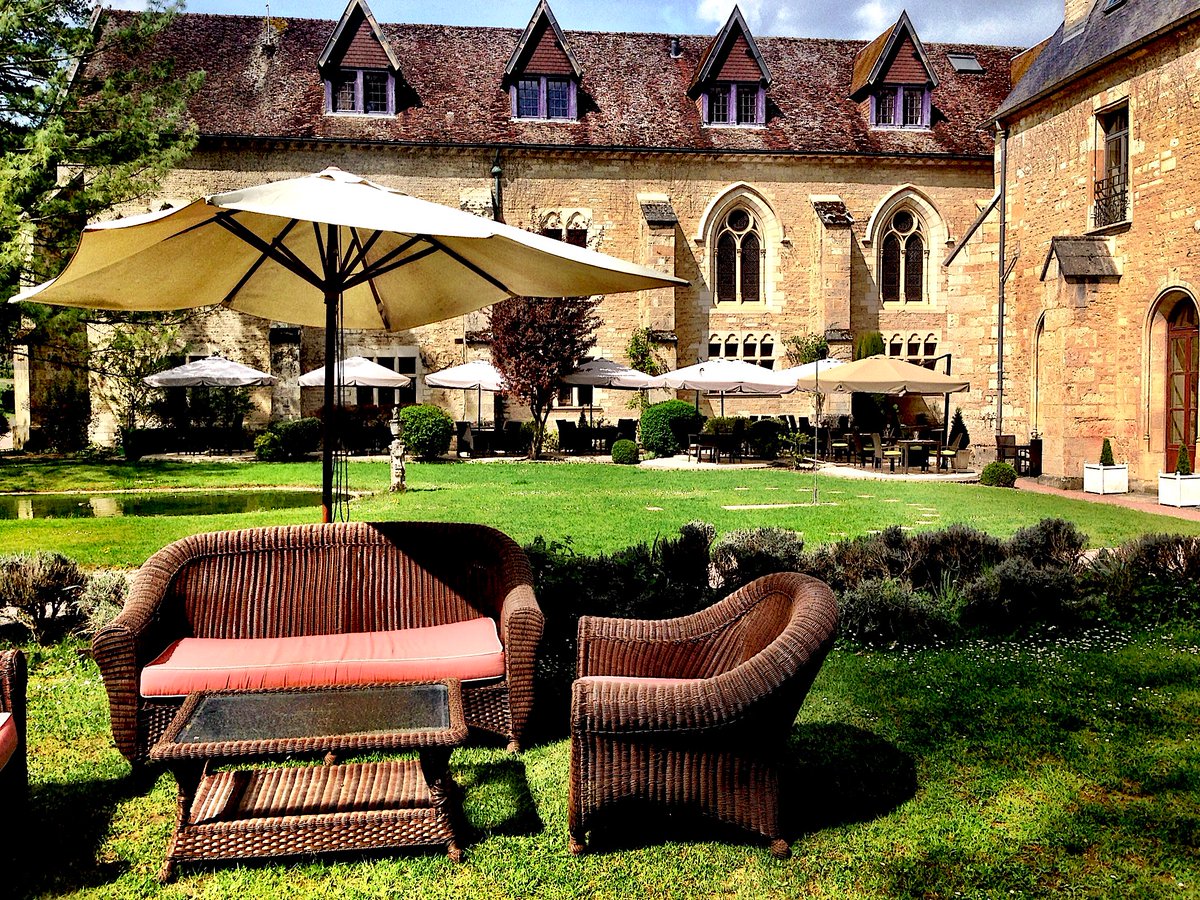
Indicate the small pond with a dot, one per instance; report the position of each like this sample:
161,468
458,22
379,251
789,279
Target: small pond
196,503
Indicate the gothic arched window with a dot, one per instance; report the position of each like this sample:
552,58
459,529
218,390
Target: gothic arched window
902,260
739,261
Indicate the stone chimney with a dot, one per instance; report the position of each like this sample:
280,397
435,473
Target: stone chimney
1075,16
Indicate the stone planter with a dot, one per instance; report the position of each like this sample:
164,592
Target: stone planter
1098,479
1178,490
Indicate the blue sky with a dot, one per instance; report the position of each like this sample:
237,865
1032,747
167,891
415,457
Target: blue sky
1009,22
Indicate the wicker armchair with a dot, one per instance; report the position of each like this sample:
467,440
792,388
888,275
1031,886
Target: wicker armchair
14,778
693,714
297,580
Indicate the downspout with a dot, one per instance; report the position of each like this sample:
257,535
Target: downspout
1002,277
497,189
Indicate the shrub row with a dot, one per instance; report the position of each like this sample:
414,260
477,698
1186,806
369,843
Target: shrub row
893,587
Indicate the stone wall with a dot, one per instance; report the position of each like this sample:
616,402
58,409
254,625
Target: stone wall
1086,361
816,277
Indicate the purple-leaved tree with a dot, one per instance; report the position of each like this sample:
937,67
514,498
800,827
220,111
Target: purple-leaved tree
535,342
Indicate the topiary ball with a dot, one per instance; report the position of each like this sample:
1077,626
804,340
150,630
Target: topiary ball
998,474
427,430
625,453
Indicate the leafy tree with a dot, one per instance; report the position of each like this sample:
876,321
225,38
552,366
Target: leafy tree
126,355
535,342
805,348
83,126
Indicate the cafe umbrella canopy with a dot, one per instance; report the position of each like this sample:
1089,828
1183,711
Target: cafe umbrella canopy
212,371
724,376
601,372
357,371
330,250
478,375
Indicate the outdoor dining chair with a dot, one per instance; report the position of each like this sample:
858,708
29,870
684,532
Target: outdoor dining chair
947,454
882,453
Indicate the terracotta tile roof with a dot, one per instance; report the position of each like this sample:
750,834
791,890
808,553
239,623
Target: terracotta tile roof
633,93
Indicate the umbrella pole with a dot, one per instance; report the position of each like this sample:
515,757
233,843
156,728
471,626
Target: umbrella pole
479,406
333,296
331,301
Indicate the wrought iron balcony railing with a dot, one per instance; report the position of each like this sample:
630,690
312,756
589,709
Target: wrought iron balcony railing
1112,199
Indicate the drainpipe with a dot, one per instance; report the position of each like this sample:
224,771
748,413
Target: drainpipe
1001,278
497,189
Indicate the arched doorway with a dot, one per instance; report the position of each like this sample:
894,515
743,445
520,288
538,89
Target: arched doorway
1183,371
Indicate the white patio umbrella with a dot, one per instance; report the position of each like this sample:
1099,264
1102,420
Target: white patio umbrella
478,375
358,371
331,250
733,376
212,371
601,372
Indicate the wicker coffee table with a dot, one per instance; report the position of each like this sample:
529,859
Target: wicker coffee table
237,813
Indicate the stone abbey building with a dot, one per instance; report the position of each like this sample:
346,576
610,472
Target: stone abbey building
800,185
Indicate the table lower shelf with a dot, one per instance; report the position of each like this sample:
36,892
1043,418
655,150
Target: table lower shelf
249,813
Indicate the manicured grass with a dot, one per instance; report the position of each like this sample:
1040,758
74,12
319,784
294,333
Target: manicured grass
599,507
1063,768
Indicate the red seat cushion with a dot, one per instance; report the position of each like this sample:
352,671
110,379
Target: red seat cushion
465,650
8,738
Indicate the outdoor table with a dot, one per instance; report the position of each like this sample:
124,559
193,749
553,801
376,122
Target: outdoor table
234,813
906,446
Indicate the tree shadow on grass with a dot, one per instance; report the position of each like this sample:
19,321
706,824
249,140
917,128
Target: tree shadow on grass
54,842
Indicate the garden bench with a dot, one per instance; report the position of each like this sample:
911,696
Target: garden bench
324,605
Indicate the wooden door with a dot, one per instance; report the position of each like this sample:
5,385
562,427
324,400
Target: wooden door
1183,370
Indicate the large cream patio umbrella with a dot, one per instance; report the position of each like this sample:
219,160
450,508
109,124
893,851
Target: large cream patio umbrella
881,374
329,250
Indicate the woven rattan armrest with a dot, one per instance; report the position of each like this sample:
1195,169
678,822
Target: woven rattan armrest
650,648
634,706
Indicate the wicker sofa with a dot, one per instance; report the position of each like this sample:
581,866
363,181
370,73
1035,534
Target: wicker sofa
14,779
238,595
693,714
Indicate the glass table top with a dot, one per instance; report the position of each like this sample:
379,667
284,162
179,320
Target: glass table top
275,715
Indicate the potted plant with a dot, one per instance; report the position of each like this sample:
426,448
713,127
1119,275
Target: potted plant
1106,477
1180,488
962,459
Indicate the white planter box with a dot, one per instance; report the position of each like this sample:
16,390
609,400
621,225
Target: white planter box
1098,479
1178,490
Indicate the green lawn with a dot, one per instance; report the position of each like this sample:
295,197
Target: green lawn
1062,767
1067,769
600,507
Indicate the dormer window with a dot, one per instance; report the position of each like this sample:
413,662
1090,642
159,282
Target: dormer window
358,67
363,91
901,106
542,75
893,72
730,85
739,103
544,97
